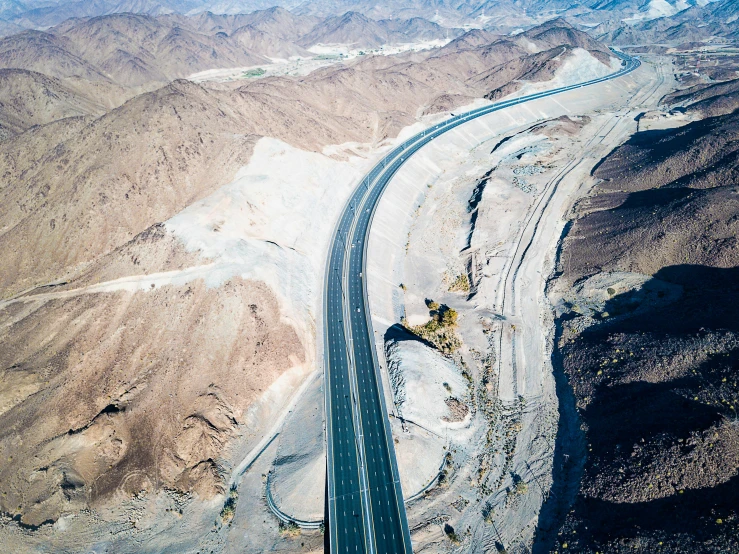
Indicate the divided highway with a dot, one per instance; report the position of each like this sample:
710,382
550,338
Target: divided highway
366,513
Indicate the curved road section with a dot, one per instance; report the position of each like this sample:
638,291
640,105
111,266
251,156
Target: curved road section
366,513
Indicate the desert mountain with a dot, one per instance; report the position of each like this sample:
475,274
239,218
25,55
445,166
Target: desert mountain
45,53
694,23
126,49
28,99
135,49
472,39
383,9
707,100
559,32
503,14
7,28
42,14
355,29
447,12
259,42
281,23
276,22
383,97
535,55
506,78
82,203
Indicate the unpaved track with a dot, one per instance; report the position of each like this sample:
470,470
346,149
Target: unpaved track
570,449
363,478
513,298
522,290
526,330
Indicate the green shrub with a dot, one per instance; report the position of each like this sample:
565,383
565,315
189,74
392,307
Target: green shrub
449,317
439,330
289,529
258,72
229,507
460,284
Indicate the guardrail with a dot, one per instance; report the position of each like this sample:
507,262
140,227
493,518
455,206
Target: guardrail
282,516
430,484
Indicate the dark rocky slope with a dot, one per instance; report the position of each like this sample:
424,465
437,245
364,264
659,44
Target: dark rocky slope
654,365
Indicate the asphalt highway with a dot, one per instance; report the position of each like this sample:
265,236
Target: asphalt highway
366,512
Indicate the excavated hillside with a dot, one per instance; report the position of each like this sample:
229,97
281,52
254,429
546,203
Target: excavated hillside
648,304
117,378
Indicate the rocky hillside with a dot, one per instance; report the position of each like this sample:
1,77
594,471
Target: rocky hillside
558,32
357,30
28,98
695,22
137,50
647,297
504,15
127,49
122,375
707,100
179,130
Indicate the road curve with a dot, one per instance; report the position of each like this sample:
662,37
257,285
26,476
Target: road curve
366,513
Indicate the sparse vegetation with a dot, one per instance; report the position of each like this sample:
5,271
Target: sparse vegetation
460,284
451,534
289,529
258,72
449,317
229,507
440,329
